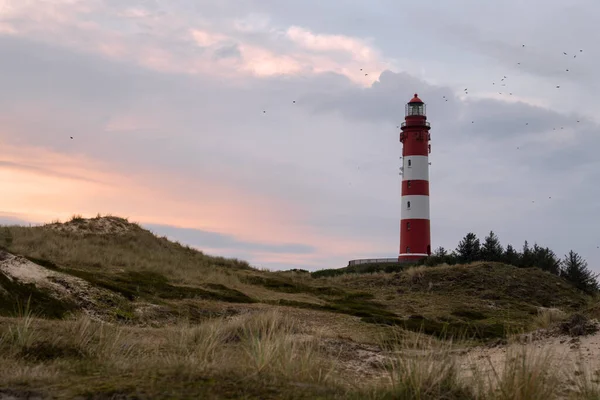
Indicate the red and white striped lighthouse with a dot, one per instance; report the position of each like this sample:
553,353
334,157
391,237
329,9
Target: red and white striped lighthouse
415,236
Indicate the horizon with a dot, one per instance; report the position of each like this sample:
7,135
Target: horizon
268,131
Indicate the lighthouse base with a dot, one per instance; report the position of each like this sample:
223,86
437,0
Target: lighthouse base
412,257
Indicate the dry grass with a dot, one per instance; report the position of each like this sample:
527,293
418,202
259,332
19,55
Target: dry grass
83,243
527,373
267,352
421,367
249,351
415,274
263,346
548,317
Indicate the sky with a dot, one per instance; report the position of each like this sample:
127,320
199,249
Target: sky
267,130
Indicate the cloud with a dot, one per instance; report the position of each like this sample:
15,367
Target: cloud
328,43
213,240
169,42
253,120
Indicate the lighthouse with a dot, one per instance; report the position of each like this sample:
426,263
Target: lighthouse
415,236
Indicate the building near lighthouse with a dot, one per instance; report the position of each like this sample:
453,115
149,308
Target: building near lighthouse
415,235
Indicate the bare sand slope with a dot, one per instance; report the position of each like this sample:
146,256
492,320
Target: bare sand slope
92,300
572,358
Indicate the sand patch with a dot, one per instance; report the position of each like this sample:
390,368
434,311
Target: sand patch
92,300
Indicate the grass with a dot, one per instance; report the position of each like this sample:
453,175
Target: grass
526,373
548,317
489,298
152,286
232,331
123,258
132,249
362,269
260,355
266,355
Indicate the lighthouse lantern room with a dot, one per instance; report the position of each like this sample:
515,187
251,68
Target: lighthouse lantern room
415,236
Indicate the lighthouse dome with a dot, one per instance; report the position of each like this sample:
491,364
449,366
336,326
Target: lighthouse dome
416,99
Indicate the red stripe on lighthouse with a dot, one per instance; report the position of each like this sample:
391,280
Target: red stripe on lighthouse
415,187
415,147
412,235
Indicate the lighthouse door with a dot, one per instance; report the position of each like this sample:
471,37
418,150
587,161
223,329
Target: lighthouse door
428,249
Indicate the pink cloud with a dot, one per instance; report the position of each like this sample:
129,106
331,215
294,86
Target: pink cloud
72,24
328,43
51,191
206,39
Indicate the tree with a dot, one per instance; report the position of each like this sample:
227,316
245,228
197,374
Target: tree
545,259
439,256
491,249
469,249
511,256
526,259
576,271
440,252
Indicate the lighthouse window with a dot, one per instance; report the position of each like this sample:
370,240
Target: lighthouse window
409,162
408,249
408,183
408,226
414,109
408,204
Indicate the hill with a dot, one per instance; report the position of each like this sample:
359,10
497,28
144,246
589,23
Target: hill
112,269
109,270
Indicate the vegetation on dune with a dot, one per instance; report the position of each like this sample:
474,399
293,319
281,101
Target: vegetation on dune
573,268
121,257
264,355
112,243
420,319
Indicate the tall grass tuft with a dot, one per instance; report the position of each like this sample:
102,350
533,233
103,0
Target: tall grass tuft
274,346
21,332
421,367
586,379
547,317
528,373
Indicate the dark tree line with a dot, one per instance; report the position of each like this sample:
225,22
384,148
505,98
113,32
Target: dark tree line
572,267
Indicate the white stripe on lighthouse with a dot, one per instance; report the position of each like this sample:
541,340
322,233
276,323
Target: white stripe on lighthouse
419,207
418,169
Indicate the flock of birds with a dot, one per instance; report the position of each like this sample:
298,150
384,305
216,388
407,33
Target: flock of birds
502,82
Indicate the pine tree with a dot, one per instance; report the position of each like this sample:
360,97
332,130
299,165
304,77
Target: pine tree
469,249
439,256
526,259
440,252
511,256
576,271
452,258
491,249
545,259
